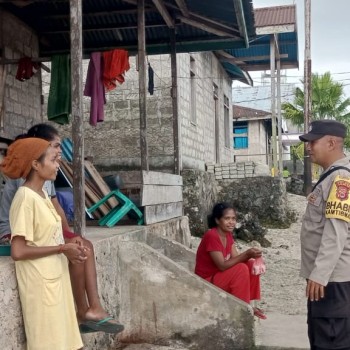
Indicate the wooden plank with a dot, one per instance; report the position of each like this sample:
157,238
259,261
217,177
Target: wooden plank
161,212
100,183
156,178
153,194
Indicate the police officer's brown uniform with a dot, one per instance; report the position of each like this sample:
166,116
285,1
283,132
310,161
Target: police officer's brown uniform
325,257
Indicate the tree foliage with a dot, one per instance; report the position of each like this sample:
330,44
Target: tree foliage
328,102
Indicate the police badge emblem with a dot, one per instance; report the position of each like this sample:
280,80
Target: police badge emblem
342,192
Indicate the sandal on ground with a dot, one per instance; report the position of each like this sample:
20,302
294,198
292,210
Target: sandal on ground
103,325
259,313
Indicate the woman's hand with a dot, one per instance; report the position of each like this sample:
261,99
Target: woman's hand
75,252
253,253
78,240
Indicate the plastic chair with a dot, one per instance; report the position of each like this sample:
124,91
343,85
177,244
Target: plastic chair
125,205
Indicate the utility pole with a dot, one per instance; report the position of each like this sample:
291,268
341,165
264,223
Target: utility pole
307,94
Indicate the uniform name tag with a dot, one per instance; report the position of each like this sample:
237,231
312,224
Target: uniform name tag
338,202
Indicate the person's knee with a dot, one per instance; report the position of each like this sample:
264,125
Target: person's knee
88,243
242,269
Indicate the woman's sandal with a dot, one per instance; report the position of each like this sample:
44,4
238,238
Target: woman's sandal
259,313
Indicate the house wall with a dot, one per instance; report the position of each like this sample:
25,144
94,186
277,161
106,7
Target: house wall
115,143
198,139
257,141
22,100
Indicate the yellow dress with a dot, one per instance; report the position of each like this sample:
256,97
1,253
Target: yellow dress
44,284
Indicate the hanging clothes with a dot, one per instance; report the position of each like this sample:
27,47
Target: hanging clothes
95,89
150,79
59,102
116,64
26,68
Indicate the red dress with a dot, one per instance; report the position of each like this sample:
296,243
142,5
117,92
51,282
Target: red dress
236,280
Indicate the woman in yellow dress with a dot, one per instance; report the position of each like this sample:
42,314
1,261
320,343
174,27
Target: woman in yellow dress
37,246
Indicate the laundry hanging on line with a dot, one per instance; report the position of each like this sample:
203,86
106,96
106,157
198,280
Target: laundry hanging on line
26,68
59,101
94,88
116,64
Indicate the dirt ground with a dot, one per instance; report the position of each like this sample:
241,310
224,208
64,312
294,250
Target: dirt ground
283,291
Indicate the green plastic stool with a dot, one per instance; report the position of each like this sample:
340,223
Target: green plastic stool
125,205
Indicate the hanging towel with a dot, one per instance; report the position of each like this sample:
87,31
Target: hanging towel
95,89
26,68
59,102
150,80
116,63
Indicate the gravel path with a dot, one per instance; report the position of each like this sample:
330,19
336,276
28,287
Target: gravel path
283,291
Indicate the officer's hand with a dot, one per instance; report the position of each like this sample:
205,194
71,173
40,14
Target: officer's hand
314,291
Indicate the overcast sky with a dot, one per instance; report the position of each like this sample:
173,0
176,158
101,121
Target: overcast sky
330,38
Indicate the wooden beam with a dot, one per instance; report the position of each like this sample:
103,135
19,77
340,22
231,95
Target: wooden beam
288,28
141,36
174,96
105,28
234,59
257,67
238,5
76,39
207,27
183,7
164,13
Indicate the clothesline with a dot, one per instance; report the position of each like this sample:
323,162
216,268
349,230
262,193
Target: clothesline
39,60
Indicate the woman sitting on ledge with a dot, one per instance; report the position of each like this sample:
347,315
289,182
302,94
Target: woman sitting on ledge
219,262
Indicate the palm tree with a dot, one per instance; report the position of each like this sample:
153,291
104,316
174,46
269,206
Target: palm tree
328,102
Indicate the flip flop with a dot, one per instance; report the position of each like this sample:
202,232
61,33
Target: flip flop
259,313
104,325
83,328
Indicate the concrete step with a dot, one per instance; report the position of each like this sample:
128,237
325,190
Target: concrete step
282,332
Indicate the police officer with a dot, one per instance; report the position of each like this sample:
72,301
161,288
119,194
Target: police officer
325,239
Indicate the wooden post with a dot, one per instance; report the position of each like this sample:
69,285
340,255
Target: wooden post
273,104
307,95
176,134
279,119
141,34
77,115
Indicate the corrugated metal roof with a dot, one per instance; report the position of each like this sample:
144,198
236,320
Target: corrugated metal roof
240,112
259,97
275,16
259,48
111,24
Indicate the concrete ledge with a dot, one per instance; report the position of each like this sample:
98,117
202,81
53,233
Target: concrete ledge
158,300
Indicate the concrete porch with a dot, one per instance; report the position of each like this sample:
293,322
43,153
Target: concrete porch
145,280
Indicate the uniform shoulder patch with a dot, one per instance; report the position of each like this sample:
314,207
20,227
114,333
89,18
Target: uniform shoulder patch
338,202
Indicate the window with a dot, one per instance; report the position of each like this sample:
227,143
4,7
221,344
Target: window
193,90
240,135
227,121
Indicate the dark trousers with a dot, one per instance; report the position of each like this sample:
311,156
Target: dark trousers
329,318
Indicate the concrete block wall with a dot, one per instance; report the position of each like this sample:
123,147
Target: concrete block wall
115,143
198,139
22,100
241,170
257,150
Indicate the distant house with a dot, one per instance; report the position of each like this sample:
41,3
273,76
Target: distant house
251,134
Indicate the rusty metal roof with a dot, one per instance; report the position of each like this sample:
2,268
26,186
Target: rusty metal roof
240,112
278,21
201,25
275,16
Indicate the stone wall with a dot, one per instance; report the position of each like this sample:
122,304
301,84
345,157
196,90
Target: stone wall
259,201
199,195
22,100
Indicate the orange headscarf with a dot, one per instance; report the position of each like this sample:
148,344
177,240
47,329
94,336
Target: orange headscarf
20,155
